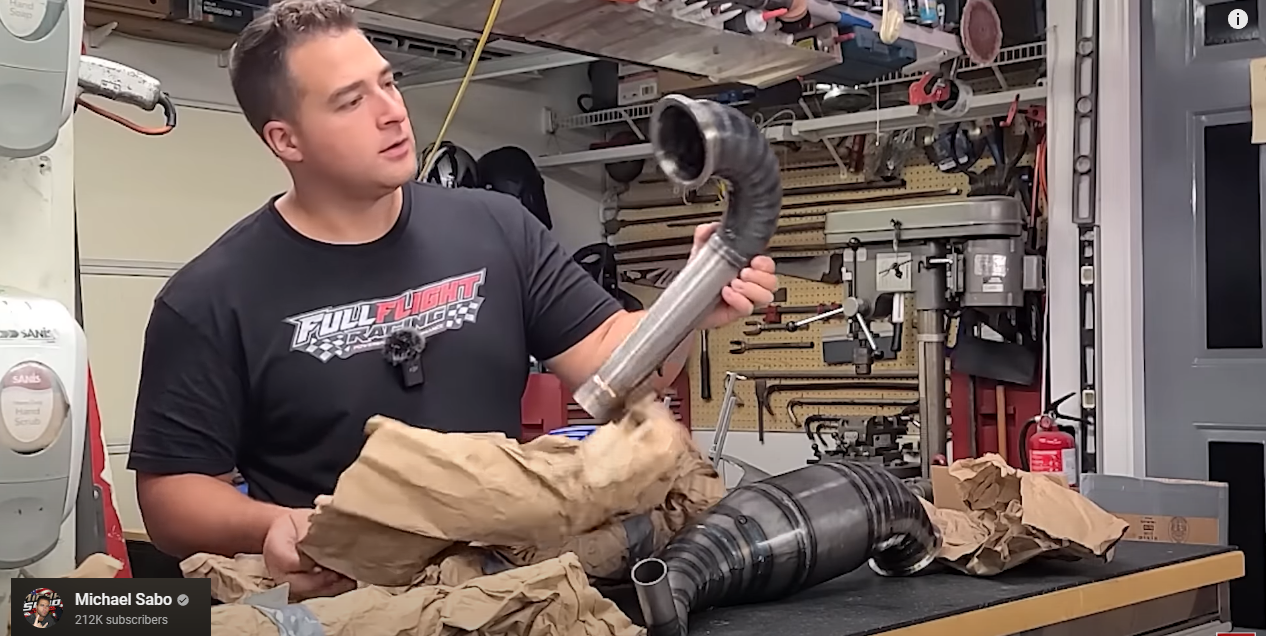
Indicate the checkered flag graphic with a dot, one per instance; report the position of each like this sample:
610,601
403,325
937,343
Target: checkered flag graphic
461,313
327,349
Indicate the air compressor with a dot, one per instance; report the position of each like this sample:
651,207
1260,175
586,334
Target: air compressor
1052,448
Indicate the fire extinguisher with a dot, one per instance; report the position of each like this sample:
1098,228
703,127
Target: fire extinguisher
1052,448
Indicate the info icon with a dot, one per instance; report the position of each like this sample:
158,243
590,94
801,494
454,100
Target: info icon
42,608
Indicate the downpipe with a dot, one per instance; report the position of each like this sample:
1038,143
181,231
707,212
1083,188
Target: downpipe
695,140
771,539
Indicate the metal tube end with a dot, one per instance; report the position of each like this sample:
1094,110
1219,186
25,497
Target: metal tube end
685,143
655,597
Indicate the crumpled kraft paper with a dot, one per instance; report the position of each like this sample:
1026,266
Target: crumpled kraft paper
1009,517
413,492
551,598
231,579
96,566
609,551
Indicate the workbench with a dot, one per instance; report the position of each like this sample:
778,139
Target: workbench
1148,588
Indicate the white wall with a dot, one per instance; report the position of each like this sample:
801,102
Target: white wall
491,115
126,185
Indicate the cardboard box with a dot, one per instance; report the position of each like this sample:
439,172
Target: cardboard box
157,9
639,84
1163,510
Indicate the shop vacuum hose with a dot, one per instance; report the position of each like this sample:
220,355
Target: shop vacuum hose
781,535
695,140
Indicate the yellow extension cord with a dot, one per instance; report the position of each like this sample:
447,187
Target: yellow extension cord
461,89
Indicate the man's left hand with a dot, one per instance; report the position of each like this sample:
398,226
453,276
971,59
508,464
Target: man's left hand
752,290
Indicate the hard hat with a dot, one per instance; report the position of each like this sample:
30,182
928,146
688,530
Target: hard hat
450,167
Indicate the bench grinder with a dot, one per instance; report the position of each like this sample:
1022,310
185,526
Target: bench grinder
964,253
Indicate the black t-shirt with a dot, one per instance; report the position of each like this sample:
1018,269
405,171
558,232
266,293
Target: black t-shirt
47,621
264,352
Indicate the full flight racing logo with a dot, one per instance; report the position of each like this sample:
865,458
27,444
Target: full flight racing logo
344,331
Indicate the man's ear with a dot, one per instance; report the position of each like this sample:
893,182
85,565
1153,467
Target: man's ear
281,139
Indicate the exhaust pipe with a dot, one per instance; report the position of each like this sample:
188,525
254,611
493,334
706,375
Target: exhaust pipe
768,540
695,140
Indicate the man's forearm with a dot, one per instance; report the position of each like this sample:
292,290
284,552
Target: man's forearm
187,514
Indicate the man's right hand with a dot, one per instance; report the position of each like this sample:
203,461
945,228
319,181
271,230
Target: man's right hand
287,565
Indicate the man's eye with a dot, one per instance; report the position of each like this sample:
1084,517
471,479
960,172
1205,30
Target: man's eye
351,103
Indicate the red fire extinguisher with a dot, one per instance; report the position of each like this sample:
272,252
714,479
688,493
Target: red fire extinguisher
1052,448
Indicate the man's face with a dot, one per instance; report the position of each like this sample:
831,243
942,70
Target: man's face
41,606
349,122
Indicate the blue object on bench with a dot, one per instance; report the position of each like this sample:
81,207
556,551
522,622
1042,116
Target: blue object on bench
578,432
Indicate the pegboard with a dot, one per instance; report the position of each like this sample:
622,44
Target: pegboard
800,169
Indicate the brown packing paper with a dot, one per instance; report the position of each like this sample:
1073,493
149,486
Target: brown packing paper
552,598
1004,517
231,579
413,492
606,552
96,566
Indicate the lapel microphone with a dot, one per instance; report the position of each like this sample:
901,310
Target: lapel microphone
403,350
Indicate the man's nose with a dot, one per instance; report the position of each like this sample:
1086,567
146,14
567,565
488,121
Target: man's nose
393,110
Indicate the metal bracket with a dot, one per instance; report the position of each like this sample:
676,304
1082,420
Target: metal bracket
1085,216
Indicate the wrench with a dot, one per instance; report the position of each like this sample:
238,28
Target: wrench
756,328
739,346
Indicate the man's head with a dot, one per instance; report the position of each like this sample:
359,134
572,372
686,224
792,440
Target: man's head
322,97
41,605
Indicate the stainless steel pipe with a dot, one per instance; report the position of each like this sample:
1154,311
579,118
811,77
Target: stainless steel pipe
695,140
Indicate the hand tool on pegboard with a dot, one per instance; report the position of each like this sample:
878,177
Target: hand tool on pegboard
742,346
765,392
678,241
827,268
705,367
791,207
758,327
858,186
773,314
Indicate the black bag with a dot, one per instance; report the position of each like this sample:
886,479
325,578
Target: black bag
510,170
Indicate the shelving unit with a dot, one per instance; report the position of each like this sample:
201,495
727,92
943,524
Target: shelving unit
631,114
881,120
624,31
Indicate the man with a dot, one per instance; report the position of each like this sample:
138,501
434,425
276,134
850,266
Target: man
40,617
264,353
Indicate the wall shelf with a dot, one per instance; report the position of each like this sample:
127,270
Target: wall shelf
624,31
1019,54
882,120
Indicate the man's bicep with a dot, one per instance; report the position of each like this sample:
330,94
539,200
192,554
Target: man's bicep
189,403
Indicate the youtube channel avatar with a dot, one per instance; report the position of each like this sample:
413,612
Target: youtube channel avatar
42,608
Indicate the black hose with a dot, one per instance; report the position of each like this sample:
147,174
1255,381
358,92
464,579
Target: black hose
776,537
695,140
698,139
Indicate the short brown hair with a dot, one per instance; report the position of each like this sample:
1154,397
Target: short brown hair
257,63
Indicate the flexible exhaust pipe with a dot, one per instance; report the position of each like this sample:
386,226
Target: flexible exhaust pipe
768,540
695,140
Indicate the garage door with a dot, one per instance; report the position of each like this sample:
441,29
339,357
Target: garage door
147,205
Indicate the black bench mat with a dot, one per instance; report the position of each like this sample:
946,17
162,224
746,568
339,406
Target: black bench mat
864,604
